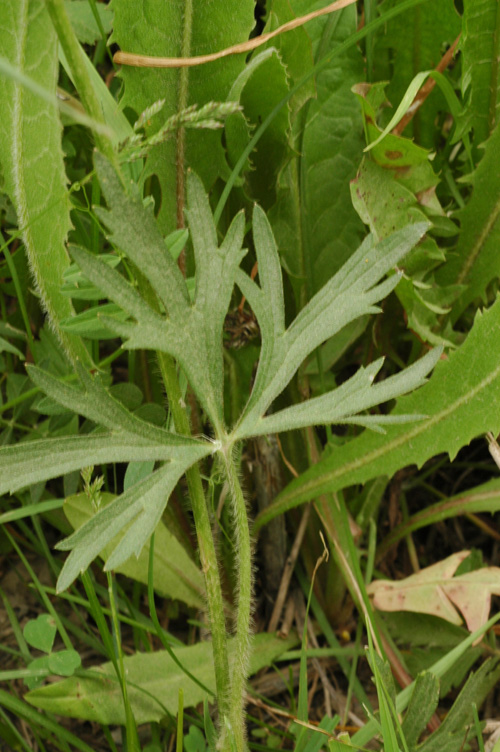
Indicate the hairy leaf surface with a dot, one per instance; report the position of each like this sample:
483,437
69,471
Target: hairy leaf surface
31,156
175,575
462,401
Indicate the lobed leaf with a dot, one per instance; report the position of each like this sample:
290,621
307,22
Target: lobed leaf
135,513
475,262
134,230
98,405
356,394
351,293
175,574
462,401
24,464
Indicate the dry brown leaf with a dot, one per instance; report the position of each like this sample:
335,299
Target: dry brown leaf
435,591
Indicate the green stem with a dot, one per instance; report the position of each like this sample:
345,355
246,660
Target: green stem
75,57
241,653
208,554
182,103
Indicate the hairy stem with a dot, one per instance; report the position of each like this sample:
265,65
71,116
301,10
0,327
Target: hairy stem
240,663
208,554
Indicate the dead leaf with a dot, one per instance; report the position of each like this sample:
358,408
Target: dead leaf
435,591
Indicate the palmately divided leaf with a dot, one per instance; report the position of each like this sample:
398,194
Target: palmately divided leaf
351,293
98,405
135,232
137,511
462,401
31,462
357,394
215,274
115,287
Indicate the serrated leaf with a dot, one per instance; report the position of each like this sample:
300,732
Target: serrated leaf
135,513
450,735
99,699
462,401
295,50
480,66
160,30
34,177
259,87
175,575
475,263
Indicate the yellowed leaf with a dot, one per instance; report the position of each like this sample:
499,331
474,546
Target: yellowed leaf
435,591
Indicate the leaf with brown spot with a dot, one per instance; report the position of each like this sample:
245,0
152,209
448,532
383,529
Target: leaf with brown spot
435,591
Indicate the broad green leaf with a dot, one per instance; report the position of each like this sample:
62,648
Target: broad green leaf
475,263
259,87
135,513
351,293
83,21
24,464
484,498
410,43
315,225
153,683
175,574
480,66
462,401
167,29
64,662
34,177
